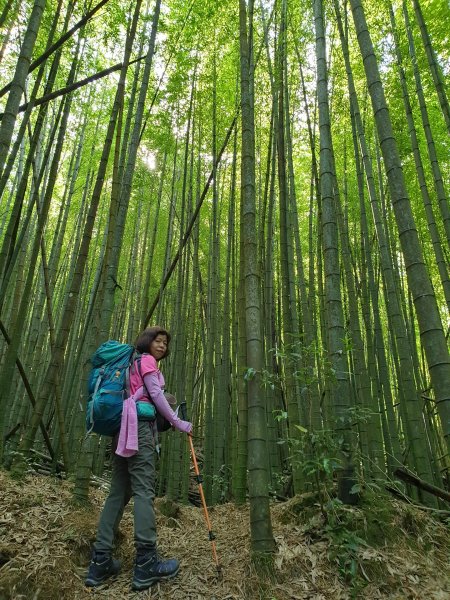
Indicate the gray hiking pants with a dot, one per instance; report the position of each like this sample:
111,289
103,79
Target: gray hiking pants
131,477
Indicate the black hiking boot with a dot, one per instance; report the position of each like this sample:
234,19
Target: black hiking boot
101,568
150,568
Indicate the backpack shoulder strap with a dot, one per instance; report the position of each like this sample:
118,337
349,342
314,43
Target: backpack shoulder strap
135,357
137,361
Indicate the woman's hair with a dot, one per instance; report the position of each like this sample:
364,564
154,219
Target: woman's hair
144,341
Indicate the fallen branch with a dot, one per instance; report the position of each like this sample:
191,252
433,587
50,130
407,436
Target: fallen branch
436,511
74,86
412,479
47,459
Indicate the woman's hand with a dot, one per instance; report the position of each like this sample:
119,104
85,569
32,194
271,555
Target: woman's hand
183,426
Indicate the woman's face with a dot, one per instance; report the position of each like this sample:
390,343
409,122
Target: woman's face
158,347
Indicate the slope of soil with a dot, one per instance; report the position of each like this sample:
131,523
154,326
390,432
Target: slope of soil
45,548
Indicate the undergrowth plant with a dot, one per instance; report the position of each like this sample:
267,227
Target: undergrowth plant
320,455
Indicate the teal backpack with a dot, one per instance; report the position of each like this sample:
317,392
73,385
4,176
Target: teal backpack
108,386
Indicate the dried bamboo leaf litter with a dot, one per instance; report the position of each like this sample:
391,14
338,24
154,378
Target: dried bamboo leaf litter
45,547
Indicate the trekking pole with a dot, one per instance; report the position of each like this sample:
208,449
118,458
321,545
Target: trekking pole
199,479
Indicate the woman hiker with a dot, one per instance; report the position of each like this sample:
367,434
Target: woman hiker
134,471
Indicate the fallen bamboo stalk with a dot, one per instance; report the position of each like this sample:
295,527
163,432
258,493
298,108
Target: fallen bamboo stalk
412,479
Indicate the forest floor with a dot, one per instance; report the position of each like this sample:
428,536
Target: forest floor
383,549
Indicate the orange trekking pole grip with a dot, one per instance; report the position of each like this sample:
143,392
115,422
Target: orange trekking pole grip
199,479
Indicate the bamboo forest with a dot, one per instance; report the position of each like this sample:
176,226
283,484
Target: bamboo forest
268,181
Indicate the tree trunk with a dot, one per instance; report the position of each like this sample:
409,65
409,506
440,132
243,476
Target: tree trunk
260,522
433,64
18,82
431,146
73,287
430,325
432,227
125,190
339,385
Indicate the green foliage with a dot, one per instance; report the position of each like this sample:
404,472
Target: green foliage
344,545
354,415
250,374
351,530
220,482
317,453
296,354
354,534
324,442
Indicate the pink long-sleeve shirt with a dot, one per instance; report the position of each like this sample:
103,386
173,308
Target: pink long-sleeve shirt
154,390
